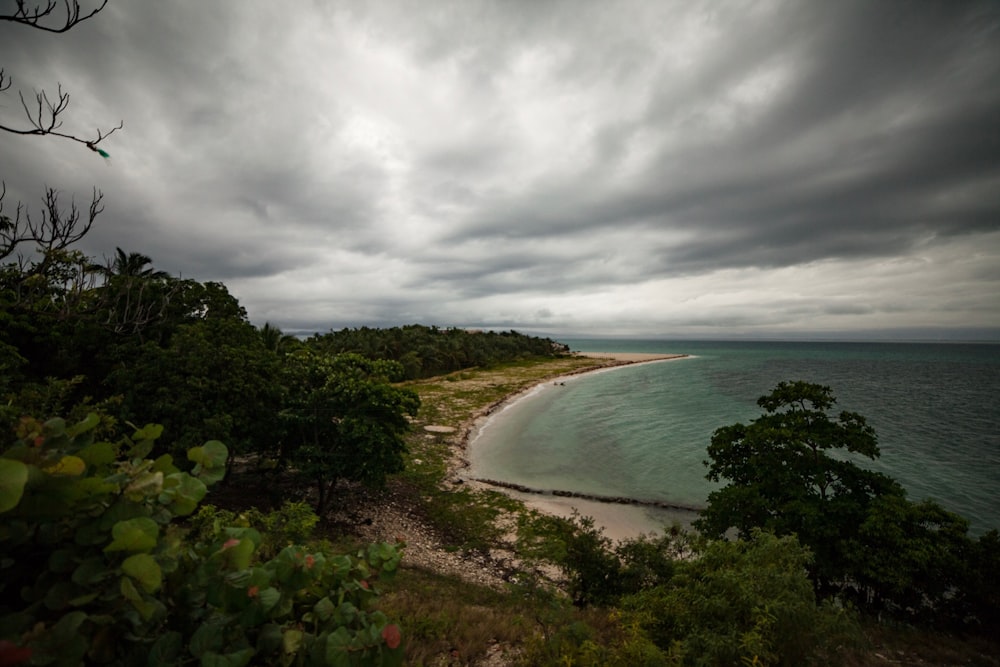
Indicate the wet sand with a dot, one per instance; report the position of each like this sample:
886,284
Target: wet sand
617,522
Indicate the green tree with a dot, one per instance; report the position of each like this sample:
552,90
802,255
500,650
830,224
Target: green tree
212,379
276,340
344,419
909,556
782,478
134,264
788,473
745,602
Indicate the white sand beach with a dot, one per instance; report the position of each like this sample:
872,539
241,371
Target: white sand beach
618,521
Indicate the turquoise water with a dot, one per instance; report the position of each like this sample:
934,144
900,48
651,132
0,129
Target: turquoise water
641,431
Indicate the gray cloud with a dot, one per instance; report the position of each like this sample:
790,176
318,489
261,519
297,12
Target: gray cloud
626,167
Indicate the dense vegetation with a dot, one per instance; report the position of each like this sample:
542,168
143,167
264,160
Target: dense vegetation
428,351
871,545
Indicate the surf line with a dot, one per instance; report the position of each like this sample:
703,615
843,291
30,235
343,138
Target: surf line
617,500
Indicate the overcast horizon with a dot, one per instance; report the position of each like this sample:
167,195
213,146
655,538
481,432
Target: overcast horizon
783,170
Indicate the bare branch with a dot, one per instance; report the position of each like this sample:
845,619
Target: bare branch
34,15
44,119
56,230
43,116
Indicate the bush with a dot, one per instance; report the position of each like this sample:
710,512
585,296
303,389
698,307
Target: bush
96,567
744,602
292,523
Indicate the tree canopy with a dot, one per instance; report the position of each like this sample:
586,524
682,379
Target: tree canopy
790,471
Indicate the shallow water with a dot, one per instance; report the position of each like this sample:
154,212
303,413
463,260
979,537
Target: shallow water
641,431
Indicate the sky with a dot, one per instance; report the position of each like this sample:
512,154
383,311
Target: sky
720,169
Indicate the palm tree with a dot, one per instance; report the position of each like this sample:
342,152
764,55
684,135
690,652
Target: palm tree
135,264
274,340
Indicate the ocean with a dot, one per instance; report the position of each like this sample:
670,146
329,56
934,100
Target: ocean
641,431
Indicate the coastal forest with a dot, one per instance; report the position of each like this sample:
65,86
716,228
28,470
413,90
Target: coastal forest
179,486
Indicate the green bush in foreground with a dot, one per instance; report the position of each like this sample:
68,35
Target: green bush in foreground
744,602
95,568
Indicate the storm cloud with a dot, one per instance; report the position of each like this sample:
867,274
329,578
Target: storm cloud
646,168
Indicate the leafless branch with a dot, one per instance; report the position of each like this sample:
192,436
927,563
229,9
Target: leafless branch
47,18
131,310
56,230
43,116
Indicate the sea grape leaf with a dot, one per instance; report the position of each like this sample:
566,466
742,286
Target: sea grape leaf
91,571
146,484
137,534
148,432
98,454
13,477
239,554
66,466
210,460
338,644
269,597
145,570
63,644
165,464
208,637
182,493
324,609
291,641
86,424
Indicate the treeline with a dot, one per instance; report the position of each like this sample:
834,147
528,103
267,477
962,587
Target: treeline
426,351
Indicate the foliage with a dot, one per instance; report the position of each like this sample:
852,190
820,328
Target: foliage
212,379
599,571
428,351
744,602
872,545
96,568
593,569
614,642
344,419
292,523
978,595
781,478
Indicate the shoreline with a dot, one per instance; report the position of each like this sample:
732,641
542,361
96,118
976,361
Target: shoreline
619,518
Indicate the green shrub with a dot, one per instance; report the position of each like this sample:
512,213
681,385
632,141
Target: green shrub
292,523
95,567
744,602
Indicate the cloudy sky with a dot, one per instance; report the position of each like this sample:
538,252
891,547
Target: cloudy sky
686,168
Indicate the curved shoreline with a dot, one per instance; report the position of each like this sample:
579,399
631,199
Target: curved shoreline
620,517
612,360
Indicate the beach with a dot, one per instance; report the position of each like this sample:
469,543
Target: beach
618,520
